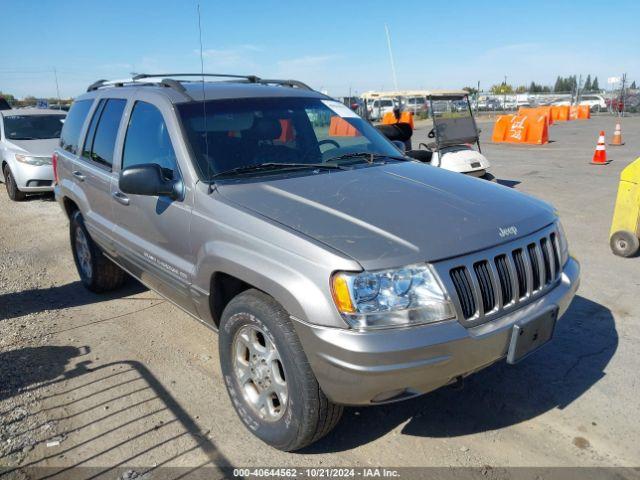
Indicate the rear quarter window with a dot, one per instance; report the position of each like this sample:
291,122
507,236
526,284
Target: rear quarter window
70,135
102,134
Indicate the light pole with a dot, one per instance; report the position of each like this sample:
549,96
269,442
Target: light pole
504,97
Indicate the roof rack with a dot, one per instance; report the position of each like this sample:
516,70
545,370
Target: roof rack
285,83
168,80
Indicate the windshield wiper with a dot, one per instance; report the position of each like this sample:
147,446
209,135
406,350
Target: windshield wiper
370,157
277,166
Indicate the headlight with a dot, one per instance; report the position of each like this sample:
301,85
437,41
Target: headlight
563,245
391,298
35,161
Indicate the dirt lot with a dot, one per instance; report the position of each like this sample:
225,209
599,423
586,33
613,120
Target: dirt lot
128,380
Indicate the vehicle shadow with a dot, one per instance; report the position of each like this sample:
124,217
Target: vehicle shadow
584,342
116,414
17,304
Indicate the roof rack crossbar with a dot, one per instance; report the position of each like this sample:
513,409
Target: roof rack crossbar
95,85
286,83
251,78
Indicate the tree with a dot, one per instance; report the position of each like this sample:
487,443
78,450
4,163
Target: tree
587,84
633,85
521,89
536,88
502,88
8,97
558,85
471,90
594,86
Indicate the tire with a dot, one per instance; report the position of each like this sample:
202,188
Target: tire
97,272
307,415
624,244
12,189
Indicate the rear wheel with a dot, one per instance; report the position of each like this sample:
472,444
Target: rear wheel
624,244
268,376
12,188
97,272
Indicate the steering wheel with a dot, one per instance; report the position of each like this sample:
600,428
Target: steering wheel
328,141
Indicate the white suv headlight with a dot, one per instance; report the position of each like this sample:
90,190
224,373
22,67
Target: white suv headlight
391,298
35,161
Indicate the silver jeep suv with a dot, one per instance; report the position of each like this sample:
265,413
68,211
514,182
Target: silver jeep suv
336,270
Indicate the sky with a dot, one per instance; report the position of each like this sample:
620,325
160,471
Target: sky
337,46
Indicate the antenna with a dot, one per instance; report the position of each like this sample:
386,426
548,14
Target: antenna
55,74
204,104
393,65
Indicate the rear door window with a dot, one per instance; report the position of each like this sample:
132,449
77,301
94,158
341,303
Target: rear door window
100,141
70,136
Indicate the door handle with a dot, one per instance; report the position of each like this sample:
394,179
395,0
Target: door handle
78,175
121,198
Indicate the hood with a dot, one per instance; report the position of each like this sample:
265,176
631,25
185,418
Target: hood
396,214
36,148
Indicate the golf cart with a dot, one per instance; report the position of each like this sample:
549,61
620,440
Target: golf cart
454,134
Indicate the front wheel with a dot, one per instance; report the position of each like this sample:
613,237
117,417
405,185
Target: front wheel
268,376
97,272
12,188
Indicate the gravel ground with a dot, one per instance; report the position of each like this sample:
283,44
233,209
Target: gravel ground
127,380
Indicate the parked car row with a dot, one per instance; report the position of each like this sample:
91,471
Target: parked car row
336,270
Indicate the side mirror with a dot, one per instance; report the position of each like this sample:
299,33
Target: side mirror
148,179
399,145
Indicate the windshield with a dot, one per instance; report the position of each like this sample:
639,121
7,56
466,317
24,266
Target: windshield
246,132
453,122
33,127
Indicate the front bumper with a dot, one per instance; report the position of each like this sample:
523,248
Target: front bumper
363,368
31,178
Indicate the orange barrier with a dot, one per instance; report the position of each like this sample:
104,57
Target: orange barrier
573,112
527,129
503,122
534,113
407,117
339,127
560,113
546,111
389,118
584,112
287,134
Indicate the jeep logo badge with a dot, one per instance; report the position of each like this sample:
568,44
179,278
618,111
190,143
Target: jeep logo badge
507,231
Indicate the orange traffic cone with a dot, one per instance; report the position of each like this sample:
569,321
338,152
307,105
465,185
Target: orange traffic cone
617,136
600,155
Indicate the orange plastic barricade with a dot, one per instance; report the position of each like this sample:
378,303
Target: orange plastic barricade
339,127
560,113
534,113
584,112
389,118
573,112
533,130
503,122
407,117
287,134
546,111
